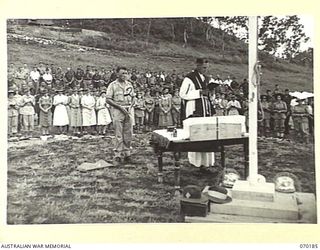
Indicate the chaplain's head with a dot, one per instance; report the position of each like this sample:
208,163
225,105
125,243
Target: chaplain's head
202,65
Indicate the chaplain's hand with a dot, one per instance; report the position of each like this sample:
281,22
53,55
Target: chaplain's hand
204,92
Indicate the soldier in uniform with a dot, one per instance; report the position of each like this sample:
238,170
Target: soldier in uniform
78,78
13,113
87,79
279,110
69,78
300,114
27,111
139,111
176,108
120,95
264,125
149,104
96,77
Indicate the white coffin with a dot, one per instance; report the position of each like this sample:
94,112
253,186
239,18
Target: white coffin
214,127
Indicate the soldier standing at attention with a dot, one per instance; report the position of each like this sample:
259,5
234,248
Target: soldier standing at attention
120,96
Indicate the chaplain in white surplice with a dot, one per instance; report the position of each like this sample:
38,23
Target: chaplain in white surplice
194,92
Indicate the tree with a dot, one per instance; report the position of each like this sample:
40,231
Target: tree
230,27
132,27
172,32
148,30
185,33
281,37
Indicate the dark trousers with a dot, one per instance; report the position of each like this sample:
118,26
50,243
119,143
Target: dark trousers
286,125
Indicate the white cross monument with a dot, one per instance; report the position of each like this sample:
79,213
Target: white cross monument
255,188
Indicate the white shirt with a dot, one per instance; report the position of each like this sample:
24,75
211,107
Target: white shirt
234,103
227,82
162,77
60,100
47,77
88,101
35,75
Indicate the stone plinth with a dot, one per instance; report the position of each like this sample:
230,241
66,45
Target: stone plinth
283,207
242,190
306,213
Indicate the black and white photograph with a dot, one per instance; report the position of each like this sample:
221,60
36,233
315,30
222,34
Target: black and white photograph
204,119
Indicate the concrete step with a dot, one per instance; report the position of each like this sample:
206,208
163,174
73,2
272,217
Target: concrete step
306,204
284,206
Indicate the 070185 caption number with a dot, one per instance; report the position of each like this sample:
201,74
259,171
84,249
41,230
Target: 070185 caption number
312,246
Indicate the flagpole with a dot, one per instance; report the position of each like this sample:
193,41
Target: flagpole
253,100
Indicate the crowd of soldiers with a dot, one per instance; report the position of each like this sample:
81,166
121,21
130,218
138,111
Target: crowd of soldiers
74,101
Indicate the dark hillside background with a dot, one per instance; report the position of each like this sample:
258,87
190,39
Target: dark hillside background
152,43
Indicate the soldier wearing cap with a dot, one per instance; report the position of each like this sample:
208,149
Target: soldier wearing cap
149,104
300,114
78,78
11,71
279,110
13,113
27,111
35,78
196,103
96,77
47,78
139,111
120,95
156,112
41,68
20,78
176,108
264,124
58,81
69,77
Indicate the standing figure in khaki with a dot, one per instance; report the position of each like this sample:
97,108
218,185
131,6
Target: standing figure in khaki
27,112
120,95
176,108
13,113
300,114
149,103
197,104
139,111
279,109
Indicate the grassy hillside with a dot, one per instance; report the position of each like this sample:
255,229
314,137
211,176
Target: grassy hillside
155,55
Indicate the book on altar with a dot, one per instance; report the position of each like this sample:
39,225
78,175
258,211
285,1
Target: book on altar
214,127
